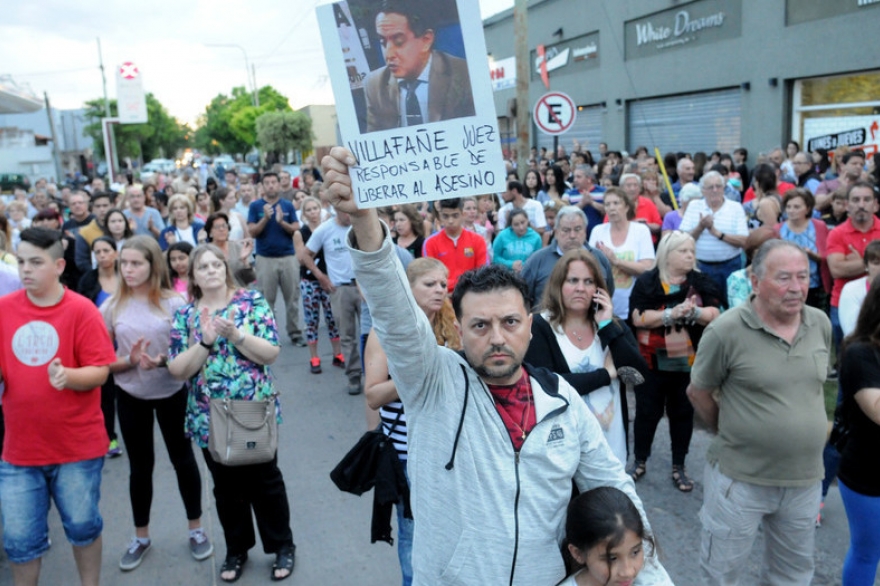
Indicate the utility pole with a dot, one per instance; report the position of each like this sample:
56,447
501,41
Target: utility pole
523,109
256,90
56,152
111,164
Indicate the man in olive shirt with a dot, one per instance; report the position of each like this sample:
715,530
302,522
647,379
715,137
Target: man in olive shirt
768,360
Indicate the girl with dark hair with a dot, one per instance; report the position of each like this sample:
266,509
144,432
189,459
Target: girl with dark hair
99,284
554,184
178,266
605,538
117,227
410,229
858,477
534,187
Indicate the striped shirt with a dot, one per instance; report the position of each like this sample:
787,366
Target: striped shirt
729,219
396,431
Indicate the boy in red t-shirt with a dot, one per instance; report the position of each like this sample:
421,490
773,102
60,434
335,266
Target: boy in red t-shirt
54,357
459,249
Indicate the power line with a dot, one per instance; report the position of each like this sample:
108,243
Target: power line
303,15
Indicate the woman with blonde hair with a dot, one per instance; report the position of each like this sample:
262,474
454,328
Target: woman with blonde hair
181,225
577,337
138,316
427,278
670,306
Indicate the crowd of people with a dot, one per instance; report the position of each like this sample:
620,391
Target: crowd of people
716,287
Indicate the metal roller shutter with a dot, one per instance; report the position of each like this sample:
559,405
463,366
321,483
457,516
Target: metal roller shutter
587,130
705,122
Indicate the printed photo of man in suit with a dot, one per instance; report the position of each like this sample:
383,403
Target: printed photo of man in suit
418,84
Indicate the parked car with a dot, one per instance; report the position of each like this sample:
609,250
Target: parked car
160,166
10,181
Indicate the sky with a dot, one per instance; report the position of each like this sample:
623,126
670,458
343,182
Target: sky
51,46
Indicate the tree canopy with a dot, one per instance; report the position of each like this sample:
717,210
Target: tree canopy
162,135
229,122
280,132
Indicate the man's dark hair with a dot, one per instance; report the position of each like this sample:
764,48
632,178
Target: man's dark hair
515,186
417,16
268,174
853,154
44,239
764,177
450,204
108,195
485,280
860,185
725,157
720,169
742,151
232,171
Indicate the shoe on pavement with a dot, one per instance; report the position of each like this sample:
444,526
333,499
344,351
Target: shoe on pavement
315,365
199,545
114,451
354,387
134,555
339,361
298,341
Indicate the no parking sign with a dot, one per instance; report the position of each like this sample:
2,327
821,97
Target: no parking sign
554,113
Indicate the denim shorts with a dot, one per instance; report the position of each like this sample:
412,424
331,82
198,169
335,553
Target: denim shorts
24,502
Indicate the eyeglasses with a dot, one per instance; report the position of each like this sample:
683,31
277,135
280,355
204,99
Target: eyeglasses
714,187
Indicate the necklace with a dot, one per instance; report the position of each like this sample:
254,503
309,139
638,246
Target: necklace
577,335
525,418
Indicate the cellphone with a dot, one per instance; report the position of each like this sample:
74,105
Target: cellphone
596,307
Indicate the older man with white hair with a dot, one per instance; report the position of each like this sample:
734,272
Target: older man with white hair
719,227
685,170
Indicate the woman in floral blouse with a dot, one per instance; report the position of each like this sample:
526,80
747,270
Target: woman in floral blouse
222,344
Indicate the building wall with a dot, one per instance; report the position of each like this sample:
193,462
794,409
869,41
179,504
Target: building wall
765,48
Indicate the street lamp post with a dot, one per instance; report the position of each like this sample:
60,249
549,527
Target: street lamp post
247,69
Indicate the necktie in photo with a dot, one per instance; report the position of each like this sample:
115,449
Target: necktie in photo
413,111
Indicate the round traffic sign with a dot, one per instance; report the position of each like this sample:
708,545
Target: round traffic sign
554,113
128,70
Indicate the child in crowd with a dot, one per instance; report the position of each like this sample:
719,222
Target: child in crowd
836,214
178,266
605,538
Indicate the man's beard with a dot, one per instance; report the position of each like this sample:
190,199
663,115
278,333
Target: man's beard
495,372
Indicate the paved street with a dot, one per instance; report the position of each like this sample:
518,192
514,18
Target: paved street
332,529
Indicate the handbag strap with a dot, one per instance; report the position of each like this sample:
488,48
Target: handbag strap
228,406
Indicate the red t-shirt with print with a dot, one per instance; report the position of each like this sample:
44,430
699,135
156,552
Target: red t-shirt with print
45,426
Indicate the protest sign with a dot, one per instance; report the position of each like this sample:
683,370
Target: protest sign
413,99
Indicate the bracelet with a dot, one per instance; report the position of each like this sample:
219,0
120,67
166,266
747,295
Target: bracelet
206,346
721,238
667,317
240,340
130,361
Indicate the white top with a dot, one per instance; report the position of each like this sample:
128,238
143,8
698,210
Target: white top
604,402
236,229
330,237
571,580
533,209
729,219
637,246
851,298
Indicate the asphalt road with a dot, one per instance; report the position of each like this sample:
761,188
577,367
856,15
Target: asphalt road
332,529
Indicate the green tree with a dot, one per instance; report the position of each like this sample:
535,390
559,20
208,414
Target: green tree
229,122
280,132
161,135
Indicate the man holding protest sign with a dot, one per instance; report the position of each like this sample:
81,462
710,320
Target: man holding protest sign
417,84
494,444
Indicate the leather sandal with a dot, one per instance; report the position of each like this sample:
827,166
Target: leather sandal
233,563
681,480
284,561
639,469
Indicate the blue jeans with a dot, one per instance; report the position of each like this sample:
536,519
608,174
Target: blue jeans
836,330
719,272
405,539
24,501
863,555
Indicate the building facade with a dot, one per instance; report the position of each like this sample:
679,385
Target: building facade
701,75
